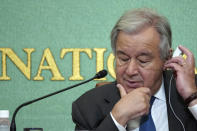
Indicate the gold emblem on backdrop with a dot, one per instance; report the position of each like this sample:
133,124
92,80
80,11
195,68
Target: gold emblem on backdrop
51,63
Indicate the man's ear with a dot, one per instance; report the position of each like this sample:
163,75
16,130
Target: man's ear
170,52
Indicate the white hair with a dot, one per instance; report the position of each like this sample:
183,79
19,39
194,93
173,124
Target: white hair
136,20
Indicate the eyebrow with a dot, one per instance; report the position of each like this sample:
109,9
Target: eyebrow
147,53
143,53
119,52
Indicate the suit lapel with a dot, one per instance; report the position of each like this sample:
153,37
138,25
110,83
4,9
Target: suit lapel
114,95
112,98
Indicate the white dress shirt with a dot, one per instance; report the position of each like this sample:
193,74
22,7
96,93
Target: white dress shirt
159,112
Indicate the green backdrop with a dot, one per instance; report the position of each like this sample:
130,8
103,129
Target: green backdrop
57,24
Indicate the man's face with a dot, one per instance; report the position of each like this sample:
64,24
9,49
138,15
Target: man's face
138,62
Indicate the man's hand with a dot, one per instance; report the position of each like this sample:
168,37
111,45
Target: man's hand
131,105
184,73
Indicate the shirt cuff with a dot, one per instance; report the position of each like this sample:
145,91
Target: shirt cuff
120,127
193,110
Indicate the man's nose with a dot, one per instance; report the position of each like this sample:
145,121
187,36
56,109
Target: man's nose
132,68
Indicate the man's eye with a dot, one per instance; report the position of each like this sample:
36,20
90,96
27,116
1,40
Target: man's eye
124,59
143,61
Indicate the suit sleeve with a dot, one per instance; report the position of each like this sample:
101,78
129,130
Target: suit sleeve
193,109
84,120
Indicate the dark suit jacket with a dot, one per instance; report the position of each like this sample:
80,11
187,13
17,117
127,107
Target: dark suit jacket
91,111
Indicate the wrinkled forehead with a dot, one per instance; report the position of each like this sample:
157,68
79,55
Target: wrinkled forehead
147,38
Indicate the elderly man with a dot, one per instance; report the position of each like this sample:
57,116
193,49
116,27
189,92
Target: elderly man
146,95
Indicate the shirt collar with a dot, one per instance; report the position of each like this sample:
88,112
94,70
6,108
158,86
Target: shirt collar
160,94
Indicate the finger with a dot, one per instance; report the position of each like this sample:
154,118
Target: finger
145,105
173,66
179,60
147,110
145,90
141,113
190,56
148,98
122,90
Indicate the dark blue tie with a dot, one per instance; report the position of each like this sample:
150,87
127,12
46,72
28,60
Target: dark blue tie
146,123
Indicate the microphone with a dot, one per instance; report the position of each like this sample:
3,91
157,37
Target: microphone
99,75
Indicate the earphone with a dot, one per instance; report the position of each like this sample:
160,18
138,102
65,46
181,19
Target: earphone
177,52
169,101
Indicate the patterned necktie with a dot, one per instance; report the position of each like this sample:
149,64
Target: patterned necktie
146,123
